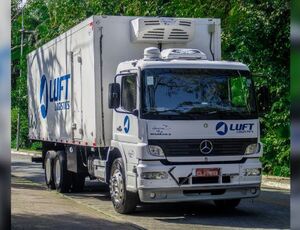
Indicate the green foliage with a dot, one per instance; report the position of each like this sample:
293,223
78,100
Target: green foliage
239,91
254,32
258,35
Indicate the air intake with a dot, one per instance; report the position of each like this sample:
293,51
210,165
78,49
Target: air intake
151,53
162,30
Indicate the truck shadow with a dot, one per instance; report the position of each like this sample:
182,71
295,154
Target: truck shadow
271,210
64,221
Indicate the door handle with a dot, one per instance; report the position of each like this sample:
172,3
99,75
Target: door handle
74,126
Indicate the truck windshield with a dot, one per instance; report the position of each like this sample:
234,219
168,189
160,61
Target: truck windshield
197,93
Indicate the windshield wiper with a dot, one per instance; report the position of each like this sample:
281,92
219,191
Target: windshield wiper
176,111
209,111
232,112
157,112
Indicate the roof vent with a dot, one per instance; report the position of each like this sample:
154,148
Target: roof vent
178,53
162,30
151,53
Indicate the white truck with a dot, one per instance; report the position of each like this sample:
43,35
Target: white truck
146,105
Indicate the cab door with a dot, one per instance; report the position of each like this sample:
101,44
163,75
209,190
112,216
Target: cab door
125,125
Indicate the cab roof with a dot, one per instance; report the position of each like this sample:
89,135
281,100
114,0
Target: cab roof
179,63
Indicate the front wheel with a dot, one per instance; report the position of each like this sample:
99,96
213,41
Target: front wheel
227,204
124,201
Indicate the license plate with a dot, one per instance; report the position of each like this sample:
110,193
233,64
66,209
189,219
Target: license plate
207,172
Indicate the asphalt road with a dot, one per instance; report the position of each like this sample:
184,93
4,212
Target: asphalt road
270,211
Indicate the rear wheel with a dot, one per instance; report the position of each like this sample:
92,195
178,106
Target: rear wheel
124,201
62,177
227,204
49,159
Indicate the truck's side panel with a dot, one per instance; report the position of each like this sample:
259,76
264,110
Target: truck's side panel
70,103
60,87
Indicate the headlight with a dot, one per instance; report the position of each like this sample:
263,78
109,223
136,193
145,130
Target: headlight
154,175
156,151
252,148
252,172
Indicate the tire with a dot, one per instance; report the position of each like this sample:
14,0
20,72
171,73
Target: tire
78,181
123,201
227,204
48,162
62,177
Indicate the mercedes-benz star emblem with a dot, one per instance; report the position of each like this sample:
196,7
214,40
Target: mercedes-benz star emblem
206,147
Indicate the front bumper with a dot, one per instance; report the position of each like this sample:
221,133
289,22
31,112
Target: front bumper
172,189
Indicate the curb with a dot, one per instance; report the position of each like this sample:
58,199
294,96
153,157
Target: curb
274,182
24,153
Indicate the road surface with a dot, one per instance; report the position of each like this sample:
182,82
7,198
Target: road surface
270,211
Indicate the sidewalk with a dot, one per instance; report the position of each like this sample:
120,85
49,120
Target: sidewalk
34,207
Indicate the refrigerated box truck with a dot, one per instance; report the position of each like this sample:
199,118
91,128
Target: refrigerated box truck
146,105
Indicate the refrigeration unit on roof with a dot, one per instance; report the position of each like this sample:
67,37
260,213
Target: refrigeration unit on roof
162,30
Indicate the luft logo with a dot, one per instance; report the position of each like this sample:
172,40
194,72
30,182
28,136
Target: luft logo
44,94
126,124
57,92
222,128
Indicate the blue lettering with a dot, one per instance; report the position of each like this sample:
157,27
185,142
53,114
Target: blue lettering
61,88
67,77
237,127
51,95
54,94
221,128
56,86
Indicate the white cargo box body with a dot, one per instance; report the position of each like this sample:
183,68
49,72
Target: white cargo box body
68,77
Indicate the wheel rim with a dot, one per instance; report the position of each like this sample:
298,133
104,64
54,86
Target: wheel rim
48,170
117,187
57,172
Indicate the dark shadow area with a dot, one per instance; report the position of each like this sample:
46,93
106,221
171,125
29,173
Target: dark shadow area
62,217
94,189
72,221
5,205
270,211
21,184
30,171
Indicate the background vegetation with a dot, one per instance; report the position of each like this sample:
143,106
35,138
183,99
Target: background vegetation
255,32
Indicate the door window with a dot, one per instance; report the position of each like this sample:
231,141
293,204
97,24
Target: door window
128,93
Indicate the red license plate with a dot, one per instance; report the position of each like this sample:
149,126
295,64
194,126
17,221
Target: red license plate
207,172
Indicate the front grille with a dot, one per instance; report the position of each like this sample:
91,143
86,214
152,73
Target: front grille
221,147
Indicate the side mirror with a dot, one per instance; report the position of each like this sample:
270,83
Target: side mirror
114,95
135,112
263,99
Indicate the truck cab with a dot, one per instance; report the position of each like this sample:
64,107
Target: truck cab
186,128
